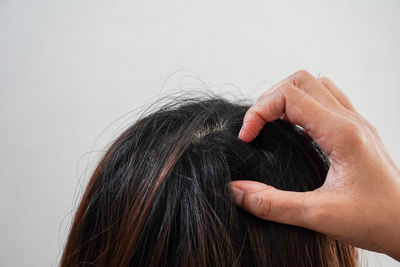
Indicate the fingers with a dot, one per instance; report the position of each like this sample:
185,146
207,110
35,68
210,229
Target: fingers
321,90
269,203
309,84
271,106
300,108
337,93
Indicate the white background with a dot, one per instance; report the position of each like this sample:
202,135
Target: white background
70,68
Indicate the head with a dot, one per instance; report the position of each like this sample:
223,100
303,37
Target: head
160,196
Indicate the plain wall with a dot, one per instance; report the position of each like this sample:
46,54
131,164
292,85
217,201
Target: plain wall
69,69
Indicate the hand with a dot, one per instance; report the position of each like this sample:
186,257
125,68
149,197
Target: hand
359,203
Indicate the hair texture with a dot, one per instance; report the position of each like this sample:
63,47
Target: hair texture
160,196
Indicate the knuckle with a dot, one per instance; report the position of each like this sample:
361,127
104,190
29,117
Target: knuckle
286,91
286,88
262,206
273,104
324,80
257,109
371,127
276,105
354,134
351,128
293,95
301,75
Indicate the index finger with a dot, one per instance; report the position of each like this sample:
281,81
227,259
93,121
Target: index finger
299,107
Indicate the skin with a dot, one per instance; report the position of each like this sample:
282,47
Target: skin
359,203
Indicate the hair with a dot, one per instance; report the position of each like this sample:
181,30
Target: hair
160,195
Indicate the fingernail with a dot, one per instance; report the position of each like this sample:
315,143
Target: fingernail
238,194
240,133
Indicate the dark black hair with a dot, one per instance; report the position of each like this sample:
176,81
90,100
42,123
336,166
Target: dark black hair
161,196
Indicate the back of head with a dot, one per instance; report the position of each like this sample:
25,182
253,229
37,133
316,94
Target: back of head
161,197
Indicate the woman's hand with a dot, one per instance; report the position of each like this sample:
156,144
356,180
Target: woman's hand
359,202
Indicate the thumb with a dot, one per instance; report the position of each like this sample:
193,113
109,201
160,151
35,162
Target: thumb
269,203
